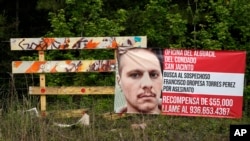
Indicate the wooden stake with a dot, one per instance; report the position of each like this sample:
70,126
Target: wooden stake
42,84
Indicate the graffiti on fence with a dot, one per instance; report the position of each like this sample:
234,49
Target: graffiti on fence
77,43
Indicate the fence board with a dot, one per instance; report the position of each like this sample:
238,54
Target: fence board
79,90
113,116
67,43
63,66
72,113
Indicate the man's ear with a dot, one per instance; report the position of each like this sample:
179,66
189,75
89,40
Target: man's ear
118,79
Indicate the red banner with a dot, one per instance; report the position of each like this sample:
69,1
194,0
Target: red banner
203,83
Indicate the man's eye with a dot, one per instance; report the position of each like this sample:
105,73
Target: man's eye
154,75
135,75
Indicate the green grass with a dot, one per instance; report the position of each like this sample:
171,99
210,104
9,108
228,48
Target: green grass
16,125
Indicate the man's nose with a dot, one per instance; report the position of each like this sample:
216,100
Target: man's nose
146,82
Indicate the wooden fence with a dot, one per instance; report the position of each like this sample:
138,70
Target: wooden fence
42,66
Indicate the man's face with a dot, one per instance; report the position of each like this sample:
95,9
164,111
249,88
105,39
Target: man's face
140,80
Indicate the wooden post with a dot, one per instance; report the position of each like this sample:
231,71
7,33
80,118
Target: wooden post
42,84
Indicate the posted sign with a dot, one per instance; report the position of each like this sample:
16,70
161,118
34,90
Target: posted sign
203,83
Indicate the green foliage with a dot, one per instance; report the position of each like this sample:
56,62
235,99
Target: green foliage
177,30
216,26
49,4
60,26
247,92
33,57
163,27
84,19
